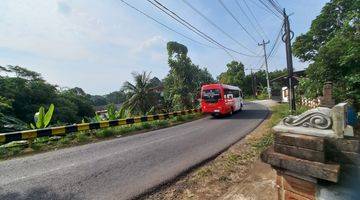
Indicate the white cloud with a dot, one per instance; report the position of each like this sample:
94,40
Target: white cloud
151,42
37,27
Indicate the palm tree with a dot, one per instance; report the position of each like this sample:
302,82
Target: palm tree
141,96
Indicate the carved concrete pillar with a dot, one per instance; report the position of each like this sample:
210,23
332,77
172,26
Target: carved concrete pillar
309,150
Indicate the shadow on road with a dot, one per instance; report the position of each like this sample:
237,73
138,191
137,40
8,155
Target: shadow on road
38,194
245,114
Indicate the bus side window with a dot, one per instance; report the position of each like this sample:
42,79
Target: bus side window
226,93
236,93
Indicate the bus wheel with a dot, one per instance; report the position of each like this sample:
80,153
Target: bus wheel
231,112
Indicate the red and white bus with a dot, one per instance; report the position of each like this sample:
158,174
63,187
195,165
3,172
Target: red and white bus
221,99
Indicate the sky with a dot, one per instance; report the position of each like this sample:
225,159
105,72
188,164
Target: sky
96,45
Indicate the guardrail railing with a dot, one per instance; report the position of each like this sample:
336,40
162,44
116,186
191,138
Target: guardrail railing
63,130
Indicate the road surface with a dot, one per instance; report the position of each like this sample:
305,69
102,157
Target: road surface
123,168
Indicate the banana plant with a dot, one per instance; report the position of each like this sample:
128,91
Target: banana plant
123,113
41,118
111,112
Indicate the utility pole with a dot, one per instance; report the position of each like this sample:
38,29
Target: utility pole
287,39
263,44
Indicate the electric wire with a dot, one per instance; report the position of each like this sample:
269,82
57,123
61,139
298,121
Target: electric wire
255,19
276,6
260,6
273,48
271,10
180,20
191,27
164,25
237,21
216,26
248,18
276,41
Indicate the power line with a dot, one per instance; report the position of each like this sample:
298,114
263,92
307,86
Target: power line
216,26
248,18
272,11
273,48
173,15
191,27
255,19
237,21
276,5
260,6
276,41
164,25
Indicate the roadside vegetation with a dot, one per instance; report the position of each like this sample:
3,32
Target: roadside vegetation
51,143
25,95
332,46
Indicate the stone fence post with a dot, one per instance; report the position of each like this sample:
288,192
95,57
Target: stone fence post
312,154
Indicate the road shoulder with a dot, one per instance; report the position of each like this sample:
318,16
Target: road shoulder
236,173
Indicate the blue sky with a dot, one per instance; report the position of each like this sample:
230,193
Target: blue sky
96,45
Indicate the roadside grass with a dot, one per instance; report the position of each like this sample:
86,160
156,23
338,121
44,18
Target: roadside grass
252,98
278,112
72,139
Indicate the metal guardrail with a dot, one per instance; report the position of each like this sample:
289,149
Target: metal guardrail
63,130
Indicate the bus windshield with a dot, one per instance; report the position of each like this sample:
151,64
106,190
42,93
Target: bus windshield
211,96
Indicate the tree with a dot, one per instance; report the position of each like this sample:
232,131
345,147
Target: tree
333,46
81,100
116,97
141,94
183,82
98,100
21,72
234,74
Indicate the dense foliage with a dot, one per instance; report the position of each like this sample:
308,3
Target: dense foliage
142,96
181,85
332,45
23,92
235,75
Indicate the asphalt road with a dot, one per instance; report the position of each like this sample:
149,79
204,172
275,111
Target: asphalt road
124,167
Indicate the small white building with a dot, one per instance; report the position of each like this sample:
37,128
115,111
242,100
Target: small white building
284,94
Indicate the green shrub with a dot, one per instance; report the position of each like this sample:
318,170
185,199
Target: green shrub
174,119
37,146
189,117
7,152
161,123
137,127
81,137
42,139
71,136
64,140
105,133
146,125
181,118
3,152
122,130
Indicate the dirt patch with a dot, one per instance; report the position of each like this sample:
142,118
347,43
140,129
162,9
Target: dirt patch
235,174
